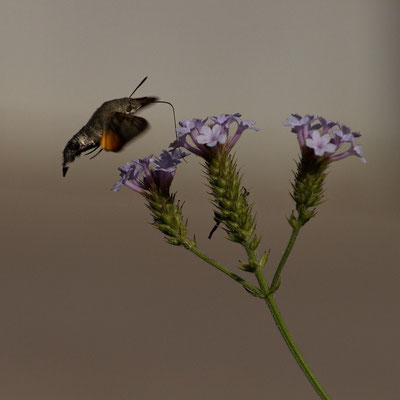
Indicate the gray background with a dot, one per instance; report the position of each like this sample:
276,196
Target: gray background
94,304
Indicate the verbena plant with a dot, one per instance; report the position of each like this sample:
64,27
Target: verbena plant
321,143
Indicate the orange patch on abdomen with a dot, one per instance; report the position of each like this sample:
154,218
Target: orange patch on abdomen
110,141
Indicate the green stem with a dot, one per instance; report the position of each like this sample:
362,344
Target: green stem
269,299
249,287
285,256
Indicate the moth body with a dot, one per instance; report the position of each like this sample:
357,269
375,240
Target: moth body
111,126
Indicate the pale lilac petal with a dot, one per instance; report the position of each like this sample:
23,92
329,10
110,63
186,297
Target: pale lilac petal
359,152
187,126
325,139
292,121
222,138
316,136
330,148
205,135
249,124
221,119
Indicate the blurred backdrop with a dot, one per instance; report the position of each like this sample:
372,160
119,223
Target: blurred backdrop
93,303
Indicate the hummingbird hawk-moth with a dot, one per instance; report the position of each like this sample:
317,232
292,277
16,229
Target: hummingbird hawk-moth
110,128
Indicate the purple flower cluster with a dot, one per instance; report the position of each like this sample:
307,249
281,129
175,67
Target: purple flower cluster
144,174
324,137
207,139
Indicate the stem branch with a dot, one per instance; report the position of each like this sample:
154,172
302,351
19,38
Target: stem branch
248,286
285,256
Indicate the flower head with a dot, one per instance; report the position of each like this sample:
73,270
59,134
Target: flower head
319,134
207,139
144,174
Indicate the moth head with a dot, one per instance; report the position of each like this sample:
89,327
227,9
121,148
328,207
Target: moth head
71,151
127,105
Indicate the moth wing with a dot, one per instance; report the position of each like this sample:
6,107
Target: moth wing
120,129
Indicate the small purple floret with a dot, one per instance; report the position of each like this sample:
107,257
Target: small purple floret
187,126
296,121
167,161
320,144
130,171
212,136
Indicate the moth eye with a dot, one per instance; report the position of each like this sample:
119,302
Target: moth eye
129,108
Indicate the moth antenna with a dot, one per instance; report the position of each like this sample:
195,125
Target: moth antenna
138,86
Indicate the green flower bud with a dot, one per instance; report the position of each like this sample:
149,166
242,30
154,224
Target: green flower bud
231,200
308,190
168,218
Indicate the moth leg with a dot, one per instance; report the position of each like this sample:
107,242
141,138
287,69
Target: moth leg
91,158
92,151
217,223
